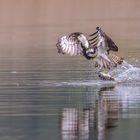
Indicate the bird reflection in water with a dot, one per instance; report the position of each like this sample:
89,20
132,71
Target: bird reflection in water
107,111
77,123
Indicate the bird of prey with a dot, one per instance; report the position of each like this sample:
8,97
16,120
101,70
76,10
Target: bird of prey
96,46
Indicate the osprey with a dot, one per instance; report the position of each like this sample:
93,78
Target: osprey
97,47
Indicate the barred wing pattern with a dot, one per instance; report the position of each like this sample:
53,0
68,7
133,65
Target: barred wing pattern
70,44
104,44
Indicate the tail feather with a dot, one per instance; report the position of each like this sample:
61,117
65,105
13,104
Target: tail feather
115,59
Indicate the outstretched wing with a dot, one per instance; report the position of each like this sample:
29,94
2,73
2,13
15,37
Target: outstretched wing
101,36
103,43
70,45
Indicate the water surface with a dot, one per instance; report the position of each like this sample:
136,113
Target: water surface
44,95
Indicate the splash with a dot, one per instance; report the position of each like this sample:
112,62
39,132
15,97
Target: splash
125,73
79,83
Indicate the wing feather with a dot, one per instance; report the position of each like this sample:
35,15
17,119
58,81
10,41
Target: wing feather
111,45
70,45
104,59
72,51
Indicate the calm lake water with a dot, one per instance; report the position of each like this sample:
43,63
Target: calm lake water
47,96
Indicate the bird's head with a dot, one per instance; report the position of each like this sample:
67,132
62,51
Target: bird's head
91,52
